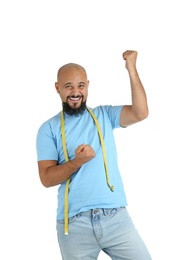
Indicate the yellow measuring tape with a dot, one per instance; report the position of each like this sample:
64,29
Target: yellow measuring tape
67,159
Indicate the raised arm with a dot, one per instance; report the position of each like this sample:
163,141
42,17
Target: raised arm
138,111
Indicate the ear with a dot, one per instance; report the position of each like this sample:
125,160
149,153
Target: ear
88,81
57,87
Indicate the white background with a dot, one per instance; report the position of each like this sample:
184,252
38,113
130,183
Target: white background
37,37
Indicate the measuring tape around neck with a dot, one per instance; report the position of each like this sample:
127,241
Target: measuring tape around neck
67,159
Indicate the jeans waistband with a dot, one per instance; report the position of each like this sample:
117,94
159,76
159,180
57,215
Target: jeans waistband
100,211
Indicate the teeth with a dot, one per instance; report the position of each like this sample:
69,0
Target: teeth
75,99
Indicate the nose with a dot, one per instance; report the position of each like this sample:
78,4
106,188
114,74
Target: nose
75,92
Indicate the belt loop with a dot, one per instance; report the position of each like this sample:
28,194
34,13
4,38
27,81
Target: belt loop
105,212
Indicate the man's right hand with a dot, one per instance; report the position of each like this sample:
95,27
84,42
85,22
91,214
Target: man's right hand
84,153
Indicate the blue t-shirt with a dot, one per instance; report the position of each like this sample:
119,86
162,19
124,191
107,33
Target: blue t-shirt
88,187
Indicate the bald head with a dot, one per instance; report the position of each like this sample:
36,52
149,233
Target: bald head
69,68
72,86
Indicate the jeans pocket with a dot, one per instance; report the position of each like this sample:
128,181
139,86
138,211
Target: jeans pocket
115,210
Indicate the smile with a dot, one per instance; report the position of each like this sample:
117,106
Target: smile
75,98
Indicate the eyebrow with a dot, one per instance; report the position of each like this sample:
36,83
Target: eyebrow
67,83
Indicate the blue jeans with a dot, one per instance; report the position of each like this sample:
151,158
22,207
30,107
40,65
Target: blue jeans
110,230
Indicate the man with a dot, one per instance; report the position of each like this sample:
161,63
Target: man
76,150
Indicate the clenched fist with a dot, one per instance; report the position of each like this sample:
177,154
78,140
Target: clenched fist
130,57
84,153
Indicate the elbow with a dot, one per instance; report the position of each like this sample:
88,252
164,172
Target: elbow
142,115
45,182
46,185
145,114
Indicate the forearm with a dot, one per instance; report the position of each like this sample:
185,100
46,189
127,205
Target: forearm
54,174
139,99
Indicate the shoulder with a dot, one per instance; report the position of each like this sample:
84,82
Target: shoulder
108,109
50,123
109,113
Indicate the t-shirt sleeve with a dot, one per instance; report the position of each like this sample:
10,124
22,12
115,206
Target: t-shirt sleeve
46,143
114,113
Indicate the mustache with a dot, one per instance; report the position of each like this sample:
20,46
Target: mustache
75,96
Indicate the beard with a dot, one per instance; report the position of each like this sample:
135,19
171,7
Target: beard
73,110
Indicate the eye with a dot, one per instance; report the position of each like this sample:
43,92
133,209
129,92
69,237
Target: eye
68,86
81,86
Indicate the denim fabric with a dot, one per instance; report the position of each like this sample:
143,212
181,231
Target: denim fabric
110,230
